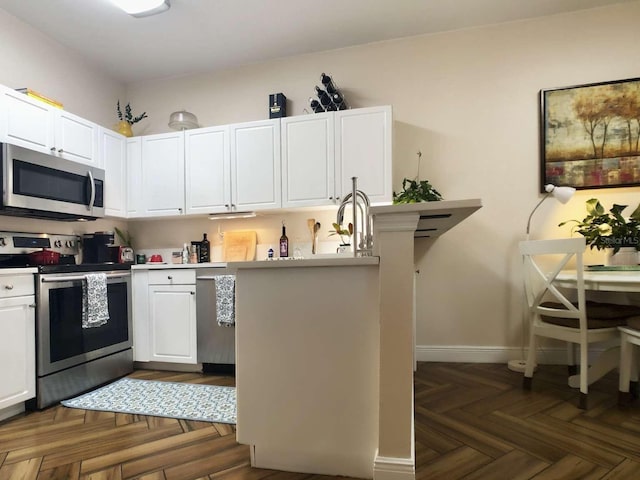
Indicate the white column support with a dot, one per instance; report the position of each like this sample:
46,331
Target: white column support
393,243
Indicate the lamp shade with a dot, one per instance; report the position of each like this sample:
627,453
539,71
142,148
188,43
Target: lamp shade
562,194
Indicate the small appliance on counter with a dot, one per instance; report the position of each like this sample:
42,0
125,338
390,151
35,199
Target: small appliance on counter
98,247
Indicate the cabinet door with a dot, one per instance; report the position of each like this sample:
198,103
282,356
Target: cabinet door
163,174
255,165
76,138
363,150
207,170
308,160
113,148
17,350
134,178
172,317
26,122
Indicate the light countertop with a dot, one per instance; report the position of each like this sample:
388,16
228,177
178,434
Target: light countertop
175,266
329,261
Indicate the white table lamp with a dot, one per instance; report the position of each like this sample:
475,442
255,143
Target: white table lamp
562,194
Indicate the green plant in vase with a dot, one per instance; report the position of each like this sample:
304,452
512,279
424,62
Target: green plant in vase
127,119
345,233
416,190
603,229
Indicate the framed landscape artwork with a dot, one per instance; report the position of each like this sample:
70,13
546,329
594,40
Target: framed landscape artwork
590,135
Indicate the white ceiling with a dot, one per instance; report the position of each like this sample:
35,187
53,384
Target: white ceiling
196,36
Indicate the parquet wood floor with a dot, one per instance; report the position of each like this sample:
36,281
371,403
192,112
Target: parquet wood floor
473,421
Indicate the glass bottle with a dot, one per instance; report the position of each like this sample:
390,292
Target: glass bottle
205,250
284,243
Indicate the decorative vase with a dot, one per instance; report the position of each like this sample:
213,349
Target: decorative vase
344,248
625,256
124,128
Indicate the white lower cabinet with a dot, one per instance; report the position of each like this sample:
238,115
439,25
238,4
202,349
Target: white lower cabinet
164,316
17,340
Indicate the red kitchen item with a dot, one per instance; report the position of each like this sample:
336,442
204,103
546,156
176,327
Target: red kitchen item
44,257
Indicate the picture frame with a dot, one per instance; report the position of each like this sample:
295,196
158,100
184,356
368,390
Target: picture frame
590,135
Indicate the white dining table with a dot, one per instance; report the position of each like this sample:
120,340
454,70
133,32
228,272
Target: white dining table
603,280
624,281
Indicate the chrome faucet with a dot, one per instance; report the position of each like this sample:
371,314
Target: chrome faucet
360,203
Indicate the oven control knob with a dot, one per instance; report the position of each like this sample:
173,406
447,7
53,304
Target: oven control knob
69,244
3,242
57,243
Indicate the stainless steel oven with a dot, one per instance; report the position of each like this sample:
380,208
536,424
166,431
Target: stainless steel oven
70,358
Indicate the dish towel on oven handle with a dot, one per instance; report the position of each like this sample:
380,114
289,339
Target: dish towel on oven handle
225,300
95,307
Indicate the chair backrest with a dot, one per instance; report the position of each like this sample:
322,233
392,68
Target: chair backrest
543,260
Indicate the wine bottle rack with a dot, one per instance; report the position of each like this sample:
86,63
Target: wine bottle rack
329,98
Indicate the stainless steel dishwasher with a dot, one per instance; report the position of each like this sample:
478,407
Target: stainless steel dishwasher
216,344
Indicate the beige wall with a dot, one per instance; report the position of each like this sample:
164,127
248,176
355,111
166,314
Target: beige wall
29,59
467,99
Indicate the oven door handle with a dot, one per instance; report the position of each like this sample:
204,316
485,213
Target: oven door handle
72,278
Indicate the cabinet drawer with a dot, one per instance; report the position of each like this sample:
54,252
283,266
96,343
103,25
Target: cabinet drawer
16,285
172,277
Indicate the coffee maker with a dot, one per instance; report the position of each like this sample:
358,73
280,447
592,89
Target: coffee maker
98,247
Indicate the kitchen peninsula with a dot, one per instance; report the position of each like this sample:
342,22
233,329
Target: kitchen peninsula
324,368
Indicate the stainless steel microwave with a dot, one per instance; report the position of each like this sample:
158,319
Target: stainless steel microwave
38,185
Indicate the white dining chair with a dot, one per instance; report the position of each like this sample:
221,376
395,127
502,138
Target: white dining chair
552,314
629,339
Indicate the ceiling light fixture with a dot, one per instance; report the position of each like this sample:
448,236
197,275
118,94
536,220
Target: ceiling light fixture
142,8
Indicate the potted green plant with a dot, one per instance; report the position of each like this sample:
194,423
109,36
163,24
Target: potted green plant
127,119
609,229
416,190
345,234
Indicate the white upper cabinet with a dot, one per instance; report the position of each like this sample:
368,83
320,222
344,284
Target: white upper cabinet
134,177
363,149
163,174
308,159
76,138
30,123
207,170
255,165
113,150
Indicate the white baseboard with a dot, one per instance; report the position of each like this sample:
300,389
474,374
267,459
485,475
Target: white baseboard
12,411
392,468
481,354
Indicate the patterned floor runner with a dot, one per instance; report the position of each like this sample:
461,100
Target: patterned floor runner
188,401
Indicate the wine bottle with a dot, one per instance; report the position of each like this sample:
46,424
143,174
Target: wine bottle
205,250
329,86
315,106
284,243
338,101
323,96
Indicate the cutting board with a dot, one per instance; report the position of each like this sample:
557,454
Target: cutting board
239,246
